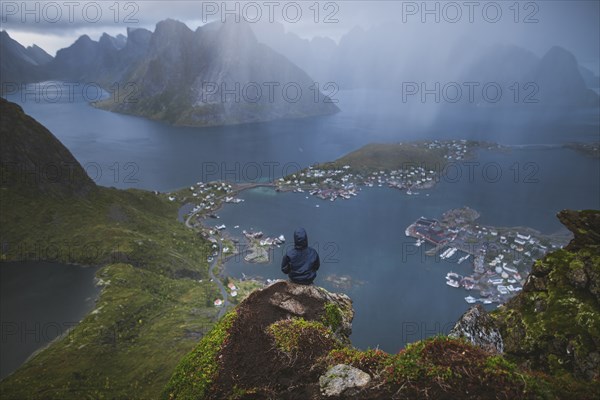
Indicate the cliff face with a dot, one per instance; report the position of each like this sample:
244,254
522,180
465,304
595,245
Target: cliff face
291,342
268,347
554,324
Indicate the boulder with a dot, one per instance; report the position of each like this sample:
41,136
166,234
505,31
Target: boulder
343,378
476,326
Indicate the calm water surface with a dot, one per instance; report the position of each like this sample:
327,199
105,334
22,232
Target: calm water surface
400,296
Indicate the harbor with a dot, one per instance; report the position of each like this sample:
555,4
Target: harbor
501,258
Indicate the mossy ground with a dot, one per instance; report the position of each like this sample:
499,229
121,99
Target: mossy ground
442,367
297,334
554,325
197,370
155,306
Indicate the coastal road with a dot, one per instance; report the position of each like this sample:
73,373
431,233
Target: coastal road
218,282
214,263
211,268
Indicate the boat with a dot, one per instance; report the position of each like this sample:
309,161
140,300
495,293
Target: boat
463,258
419,242
220,227
445,254
452,276
487,301
452,283
453,250
470,299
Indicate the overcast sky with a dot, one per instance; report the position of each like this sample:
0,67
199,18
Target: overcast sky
535,25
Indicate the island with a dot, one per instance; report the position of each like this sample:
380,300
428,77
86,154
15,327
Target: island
407,167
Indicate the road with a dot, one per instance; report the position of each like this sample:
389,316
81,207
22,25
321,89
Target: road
215,279
216,259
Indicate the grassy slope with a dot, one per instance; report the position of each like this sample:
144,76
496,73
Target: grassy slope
387,156
148,315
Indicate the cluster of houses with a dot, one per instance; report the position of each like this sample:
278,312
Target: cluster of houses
343,182
501,256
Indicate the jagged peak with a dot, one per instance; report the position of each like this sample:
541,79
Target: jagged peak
170,26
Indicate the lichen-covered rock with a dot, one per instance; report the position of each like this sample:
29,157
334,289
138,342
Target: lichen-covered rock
477,327
535,284
554,324
340,300
343,378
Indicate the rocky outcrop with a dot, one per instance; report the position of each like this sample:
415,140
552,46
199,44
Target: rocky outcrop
554,324
343,378
478,328
271,346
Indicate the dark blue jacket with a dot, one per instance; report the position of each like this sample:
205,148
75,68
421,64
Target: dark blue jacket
302,262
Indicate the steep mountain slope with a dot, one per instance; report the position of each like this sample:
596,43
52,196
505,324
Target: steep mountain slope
88,61
554,325
156,299
19,64
33,159
219,74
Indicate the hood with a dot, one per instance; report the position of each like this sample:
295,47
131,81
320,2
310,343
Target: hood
300,239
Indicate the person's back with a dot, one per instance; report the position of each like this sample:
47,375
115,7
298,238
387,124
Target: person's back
302,262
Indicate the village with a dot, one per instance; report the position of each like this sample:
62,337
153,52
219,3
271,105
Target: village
340,180
501,257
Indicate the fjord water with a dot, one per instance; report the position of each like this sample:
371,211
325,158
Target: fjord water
39,302
126,151
402,296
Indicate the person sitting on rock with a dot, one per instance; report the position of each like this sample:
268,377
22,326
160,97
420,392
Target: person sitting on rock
302,262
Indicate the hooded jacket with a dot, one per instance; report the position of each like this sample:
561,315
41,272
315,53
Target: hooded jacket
302,262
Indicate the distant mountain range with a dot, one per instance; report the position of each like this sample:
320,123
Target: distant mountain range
385,57
217,75
238,72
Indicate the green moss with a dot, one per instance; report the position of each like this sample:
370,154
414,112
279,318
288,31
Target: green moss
290,333
332,317
196,371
